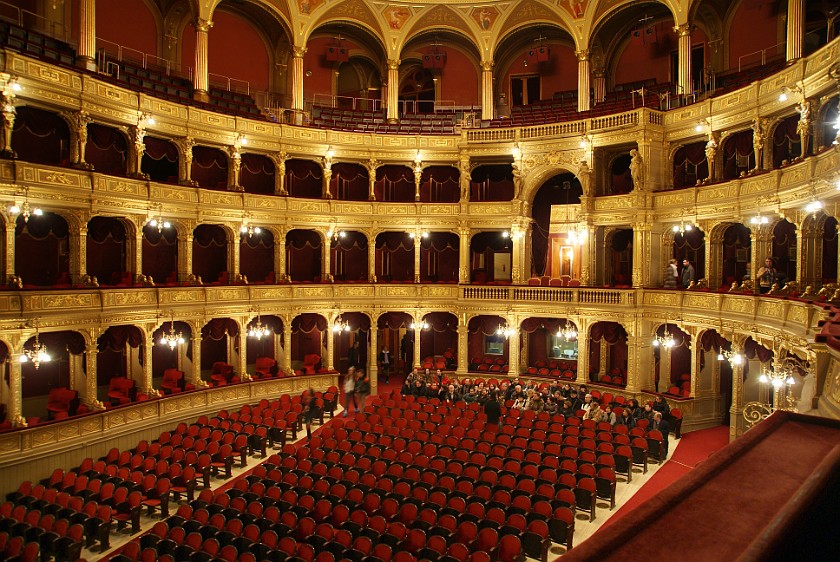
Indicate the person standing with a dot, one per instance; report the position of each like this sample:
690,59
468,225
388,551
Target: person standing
671,275
687,274
362,388
353,356
767,276
385,363
493,410
350,390
406,350
310,411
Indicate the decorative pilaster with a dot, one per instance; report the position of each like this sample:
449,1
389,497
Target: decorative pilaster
418,239
78,254
464,177
90,398
78,122
513,350
86,52
373,364
234,244
714,257
463,347
327,164
185,253
201,77
683,32
642,255
185,157
712,145
280,257
14,405
487,90
9,258
326,250
134,160
279,160
795,28
518,233
393,113
695,352
372,166
194,376
464,255
759,140
639,362
297,77
242,358
418,177
736,410
7,117
583,79
417,331
146,383
583,351
372,257
287,346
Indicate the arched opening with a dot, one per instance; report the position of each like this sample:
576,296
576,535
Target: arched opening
220,351
828,129
490,258
303,256
358,85
690,165
736,255
349,257
210,168
440,184
160,254
784,251
263,347
304,178
210,254
107,252
552,350
829,251
715,375
118,365
349,182
395,335
42,250
49,391
550,253
620,257
491,182
439,342
160,160
171,356
439,258
621,181
106,149
672,365
394,257
350,345
738,155
394,183
759,358
487,349
691,246
41,137
256,256
787,145
418,89
256,174
608,353
308,343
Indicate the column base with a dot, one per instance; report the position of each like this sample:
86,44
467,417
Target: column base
236,188
86,63
8,154
188,183
83,166
139,176
202,96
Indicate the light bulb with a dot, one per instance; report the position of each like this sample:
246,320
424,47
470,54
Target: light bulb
150,121
162,341
655,343
763,378
166,224
257,230
698,127
16,87
688,228
153,222
23,359
505,234
37,212
675,228
777,383
720,357
783,96
243,229
737,359
790,380
14,209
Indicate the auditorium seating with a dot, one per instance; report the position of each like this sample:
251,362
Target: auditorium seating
34,44
62,402
265,368
121,390
440,123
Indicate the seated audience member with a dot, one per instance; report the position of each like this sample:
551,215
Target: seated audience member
568,408
609,415
573,398
535,403
660,405
493,410
450,394
626,419
660,424
633,406
587,403
594,412
645,413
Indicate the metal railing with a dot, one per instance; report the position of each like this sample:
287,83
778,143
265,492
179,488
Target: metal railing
761,54
108,53
30,20
230,84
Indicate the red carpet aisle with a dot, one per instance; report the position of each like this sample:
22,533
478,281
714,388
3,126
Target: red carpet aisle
692,449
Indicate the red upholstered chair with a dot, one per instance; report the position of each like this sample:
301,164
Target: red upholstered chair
310,363
62,402
534,281
173,381
222,374
121,391
264,366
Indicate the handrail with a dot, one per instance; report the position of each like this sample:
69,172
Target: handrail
31,20
228,82
762,52
146,60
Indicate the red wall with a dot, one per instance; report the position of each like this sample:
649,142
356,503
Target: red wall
315,60
559,74
111,18
459,79
652,60
753,27
235,50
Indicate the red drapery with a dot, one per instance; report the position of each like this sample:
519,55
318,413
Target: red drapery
492,182
160,161
784,250
163,357
690,165
210,167
614,335
106,249
692,246
394,183
829,250
441,335
439,258
349,257
736,254
307,335
394,257
561,189
41,136
303,255
479,328
41,256
621,256
256,174
786,144
55,373
160,254
393,321
738,155
214,342
256,257
349,182
209,252
621,179
304,178
440,184
106,150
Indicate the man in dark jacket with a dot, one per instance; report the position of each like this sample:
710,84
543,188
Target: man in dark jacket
493,410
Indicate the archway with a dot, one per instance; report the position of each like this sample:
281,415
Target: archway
106,150
160,160
41,137
257,174
309,331
491,182
738,154
620,257
55,388
549,254
394,257
715,375
256,256
787,146
220,351
118,365
160,254
303,256
394,183
439,343
608,354
304,178
621,181
736,254
439,258
173,358
350,344
107,253
488,350
490,257
551,352
42,258
784,251
690,165
395,333
440,184
672,364
349,182
263,350
210,168
691,245
349,257
210,254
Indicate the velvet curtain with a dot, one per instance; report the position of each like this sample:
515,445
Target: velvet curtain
394,183
492,182
440,184
160,161
55,373
613,335
106,149
690,165
692,246
256,174
160,254
41,137
304,178
42,256
829,251
106,250
210,168
540,330
394,257
303,255
349,257
393,321
621,257
307,335
736,254
441,335
786,143
349,182
784,250
256,257
214,342
738,155
479,328
209,252
111,360
163,357
439,258
621,180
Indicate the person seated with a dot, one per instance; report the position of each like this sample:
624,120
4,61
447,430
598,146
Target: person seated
660,405
568,409
626,419
587,403
609,415
594,413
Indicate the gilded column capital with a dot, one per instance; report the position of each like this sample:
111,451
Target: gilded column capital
371,165
298,52
279,158
487,65
202,25
394,64
684,29
582,55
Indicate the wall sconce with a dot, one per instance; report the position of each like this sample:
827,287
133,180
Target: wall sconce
423,234
340,325
249,229
422,325
787,91
504,330
516,152
514,235
703,126
666,340
334,234
330,153
733,358
586,142
25,210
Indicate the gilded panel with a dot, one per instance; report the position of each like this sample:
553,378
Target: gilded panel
45,302
266,293
391,210
761,185
45,436
163,108
221,198
313,292
435,291
743,305
611,203
826,162
47,73
716,193
129,298
119,186
794,175
169,194
798,314
9,303
354,209
227,294
10,444
704,302
397,291
359,291
182,295
212,119
68,431
309,206
770,309
90,425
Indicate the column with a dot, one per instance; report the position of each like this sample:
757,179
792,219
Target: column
279,160
77,122
185,248
78,254
326,248
14,406
761,246
138,256
696,351
280,275
372,257
736,410
373,354
242,360
194,376
134,255
603,358
464,255
714,257
416,342
330,345
588,251
487,112
583,351
86,53
393,89
665,369
464,177
807,246
712,145
134,159
234,247
234,167
513,350
583,79
683,32
639,363
418,238
297,77
418,177
9,257
90,379
146,384
599,85
517,234
371,166
185,158
201,73
642,256
287,346
523,355
463,349
795,28
7,117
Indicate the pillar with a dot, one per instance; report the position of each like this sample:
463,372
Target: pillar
487,90
325,186
91,399
373,355
185,158
736,410
279,160
696,351
147,382
372,257
9,256
665,369
330,345
513,351
517,234
393,113
78,254
326,248
418,177
185,250
134,254
418,238
795,28
77,122
683,32
463,348
280,256
234,247
287,346
201,73
297,77
194,376
242,361
639,363
583,79
417,330
464,255
464,177
14,405
7,118
86,52
642,255
135,154
583,351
